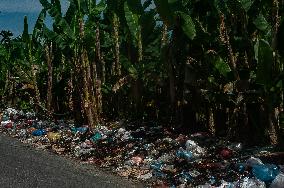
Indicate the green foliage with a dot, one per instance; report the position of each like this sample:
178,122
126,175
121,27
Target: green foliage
164,10
208,54
39,25
264,57
221,66
246,4
26,35
261,23
188,26
132,21
135,6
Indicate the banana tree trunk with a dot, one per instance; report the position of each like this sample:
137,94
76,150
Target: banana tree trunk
10,94
140,46
137,84
172,83
211,121
117,66
224,37
274,126
103,80
88,98
7,81
164,40
276,22
167,57
100,68
37,93
77,96
90,107
49,59
70,90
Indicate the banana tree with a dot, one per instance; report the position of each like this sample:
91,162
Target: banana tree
38,36
9,68
138,28
94,12
176,18
32,57
5,54
70,33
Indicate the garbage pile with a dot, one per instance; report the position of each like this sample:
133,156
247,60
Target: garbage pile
156,155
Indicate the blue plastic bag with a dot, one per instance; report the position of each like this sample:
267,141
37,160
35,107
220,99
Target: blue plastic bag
265,172
184,154
79,129
39,132
96,137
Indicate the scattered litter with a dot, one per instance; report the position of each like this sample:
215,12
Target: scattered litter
150,153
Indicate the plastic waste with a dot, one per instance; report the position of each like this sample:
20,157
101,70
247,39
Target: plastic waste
22,133
123,135
145,176
87,144
53,137
196,150
96,137
159,174
207,185
5,118
184,154
80,152
31,130
81,130
253,161
39,132
169,168
225,184
266,173
167,158
9,125
11,111
150,154
30,114
4,123
226,153
29,122
212,180
185,177
237,146
190,145
194,173
241,167
278,182
157,166
137,160
251,183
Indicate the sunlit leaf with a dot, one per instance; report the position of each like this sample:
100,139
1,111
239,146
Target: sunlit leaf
261,23
246,4
132,21
188,26
222,67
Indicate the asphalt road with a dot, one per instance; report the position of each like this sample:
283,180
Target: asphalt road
25,167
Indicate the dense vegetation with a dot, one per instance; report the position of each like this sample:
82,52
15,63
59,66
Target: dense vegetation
200,65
